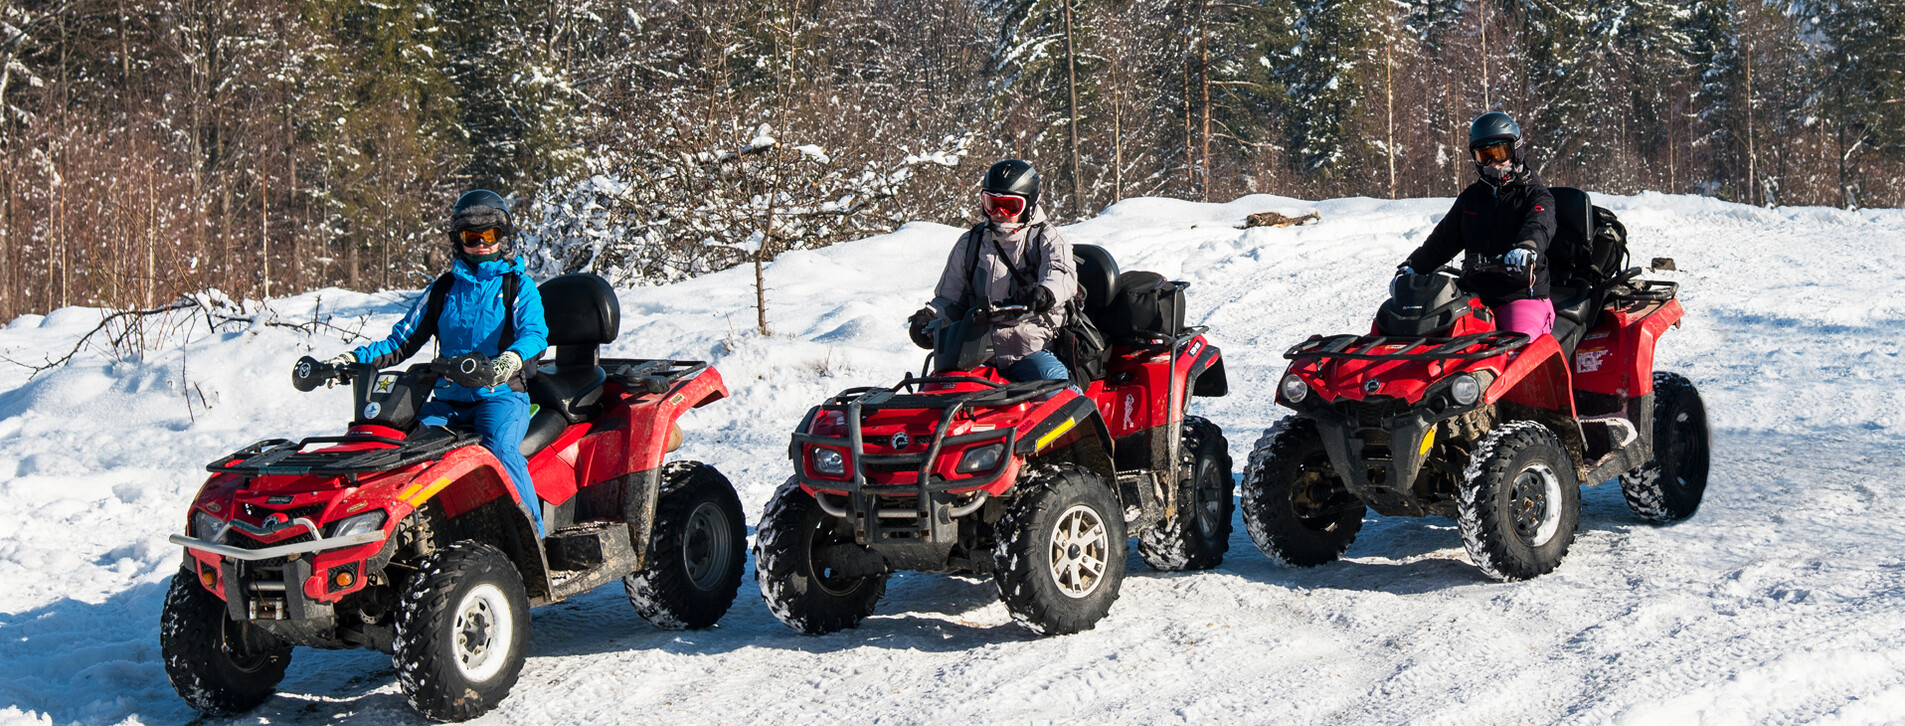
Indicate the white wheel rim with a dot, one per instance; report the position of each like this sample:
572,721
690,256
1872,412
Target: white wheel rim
1080,546
1545,512
482,634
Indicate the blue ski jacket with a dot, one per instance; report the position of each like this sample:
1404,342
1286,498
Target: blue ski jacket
472,319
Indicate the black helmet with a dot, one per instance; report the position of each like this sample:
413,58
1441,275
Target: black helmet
479,210
1493,126
1013,176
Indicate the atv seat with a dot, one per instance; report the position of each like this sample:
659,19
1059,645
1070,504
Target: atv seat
1576,309
1577,303
583,314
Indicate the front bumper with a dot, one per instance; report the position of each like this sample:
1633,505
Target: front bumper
937,500
240,553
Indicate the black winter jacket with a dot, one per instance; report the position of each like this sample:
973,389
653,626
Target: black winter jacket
1487,222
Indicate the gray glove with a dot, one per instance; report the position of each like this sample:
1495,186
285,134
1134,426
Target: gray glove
503,367
342,360
1520,258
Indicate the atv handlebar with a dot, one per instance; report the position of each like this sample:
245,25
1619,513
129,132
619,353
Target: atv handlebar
470,369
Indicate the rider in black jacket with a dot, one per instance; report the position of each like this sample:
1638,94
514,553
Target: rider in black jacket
1505,220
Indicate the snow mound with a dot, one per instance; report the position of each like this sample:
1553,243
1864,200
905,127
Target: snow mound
1777,602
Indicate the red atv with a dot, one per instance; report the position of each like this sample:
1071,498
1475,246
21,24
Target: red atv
1033,483
409,540
1437,412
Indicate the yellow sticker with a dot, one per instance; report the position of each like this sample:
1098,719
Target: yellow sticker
1428,440
430,491
1054,434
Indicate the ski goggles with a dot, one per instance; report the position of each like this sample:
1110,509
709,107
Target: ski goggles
1494,152
1001,205
480,238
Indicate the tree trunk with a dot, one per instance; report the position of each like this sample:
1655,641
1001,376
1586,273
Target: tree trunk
1071,112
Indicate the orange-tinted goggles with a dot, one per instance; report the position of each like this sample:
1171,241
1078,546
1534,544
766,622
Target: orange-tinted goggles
1001,205
483,238
1494,153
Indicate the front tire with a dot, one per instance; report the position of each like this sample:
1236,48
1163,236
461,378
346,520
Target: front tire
1059,556
462,629
1297,509
1198,537
798,586
218,665
697,551
1520,502
1668,488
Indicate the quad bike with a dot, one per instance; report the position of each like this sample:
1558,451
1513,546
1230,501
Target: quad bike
409,539
1438,413
1034,483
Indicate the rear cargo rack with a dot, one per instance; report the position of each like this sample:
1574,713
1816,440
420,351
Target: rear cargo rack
285,457
1364,347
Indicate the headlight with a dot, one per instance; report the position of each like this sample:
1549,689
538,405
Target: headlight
982,458
1465,389
1293,388
366,522
829,461
206,527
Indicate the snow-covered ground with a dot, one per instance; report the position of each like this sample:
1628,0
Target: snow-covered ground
1781,601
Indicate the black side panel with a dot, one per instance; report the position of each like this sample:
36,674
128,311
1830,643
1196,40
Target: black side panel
1207,375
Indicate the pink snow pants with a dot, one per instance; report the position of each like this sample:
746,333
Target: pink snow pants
1534,317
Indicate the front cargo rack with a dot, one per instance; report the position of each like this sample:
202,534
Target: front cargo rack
286,457
1364,347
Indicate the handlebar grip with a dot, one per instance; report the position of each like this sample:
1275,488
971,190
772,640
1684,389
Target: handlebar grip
309,373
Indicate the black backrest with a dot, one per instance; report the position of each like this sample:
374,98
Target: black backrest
583,313
1097,274
1573,234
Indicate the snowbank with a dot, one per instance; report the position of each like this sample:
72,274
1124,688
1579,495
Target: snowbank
1779,601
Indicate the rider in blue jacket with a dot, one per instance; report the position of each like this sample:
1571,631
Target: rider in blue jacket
473,317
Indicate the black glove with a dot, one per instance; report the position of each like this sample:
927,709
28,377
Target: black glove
916,327
1038,299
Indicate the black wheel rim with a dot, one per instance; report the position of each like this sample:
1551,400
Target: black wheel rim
240,653
825,578
706,546
1317,499
1686,449
1534,505
1208,492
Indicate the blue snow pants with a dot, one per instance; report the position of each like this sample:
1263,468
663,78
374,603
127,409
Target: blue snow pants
502,420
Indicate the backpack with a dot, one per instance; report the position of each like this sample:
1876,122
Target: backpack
1606,254
1077,342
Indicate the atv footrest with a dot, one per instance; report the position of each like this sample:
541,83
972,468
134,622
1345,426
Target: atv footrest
584,558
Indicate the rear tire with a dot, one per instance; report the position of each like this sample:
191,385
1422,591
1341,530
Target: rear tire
1520,502
795,582
462,629
208,656
1296,508
697,550
1059,557
1668,488
1198,537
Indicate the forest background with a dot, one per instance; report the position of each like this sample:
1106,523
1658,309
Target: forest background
267,147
